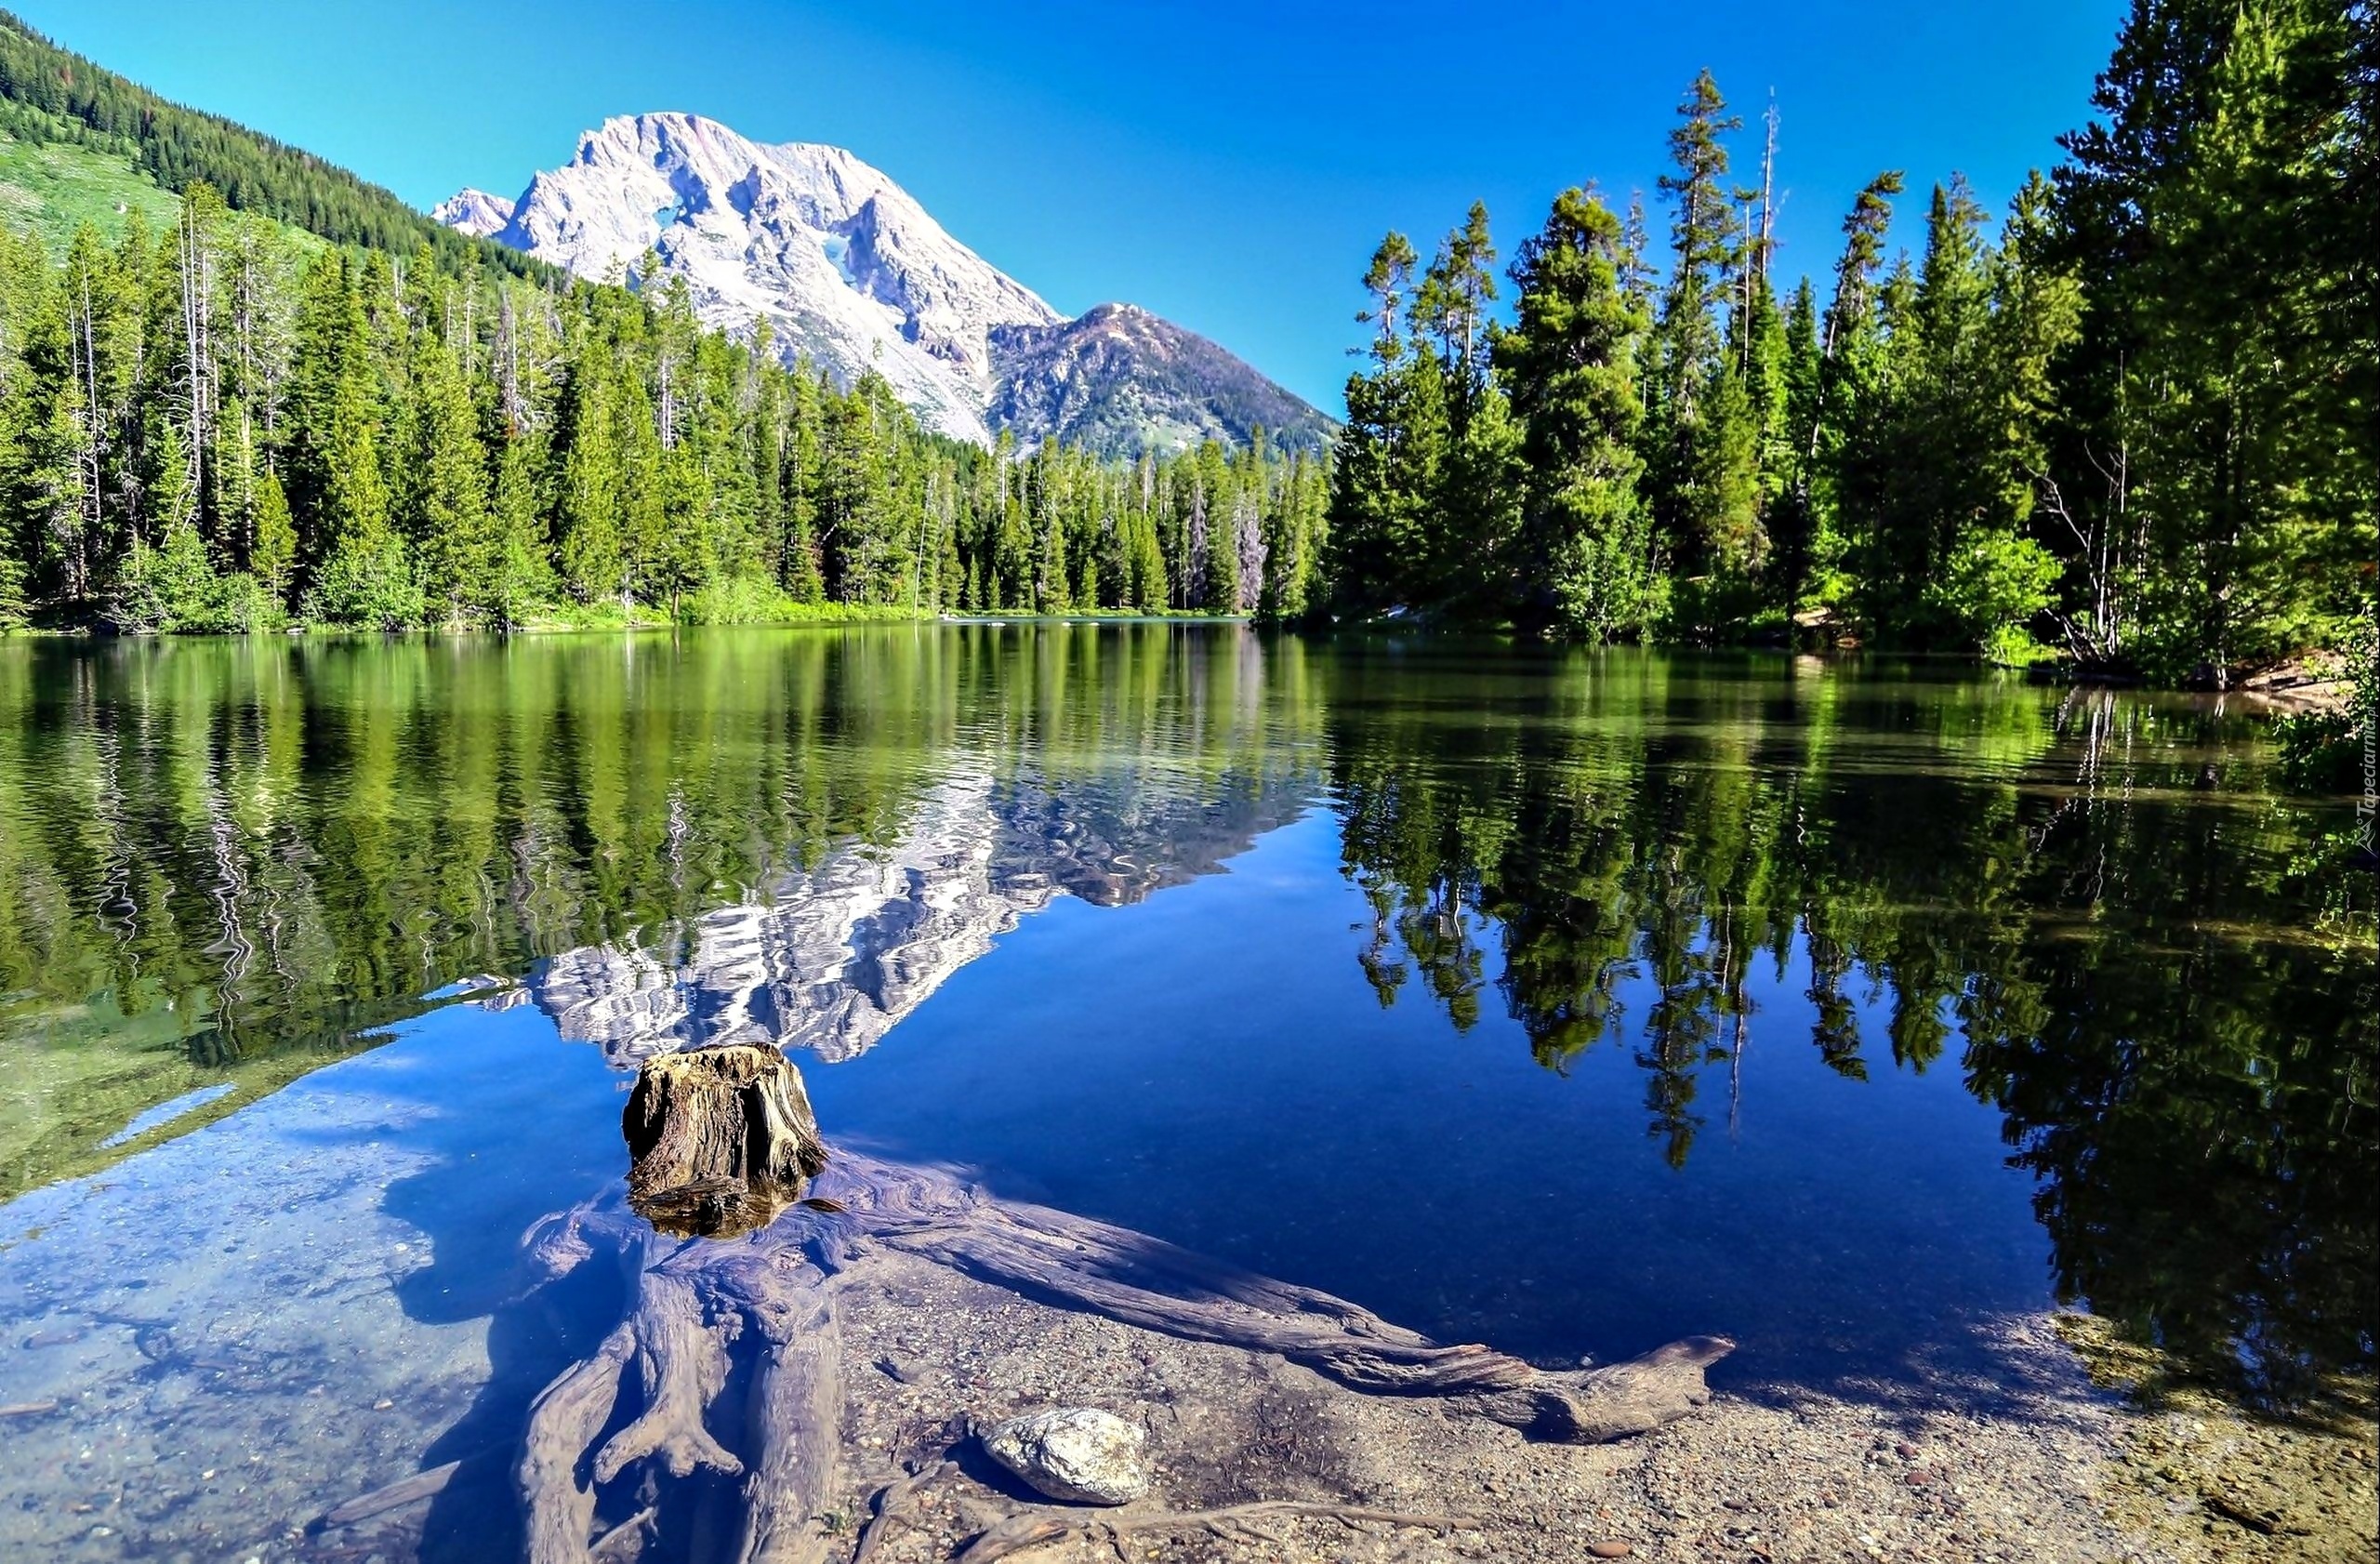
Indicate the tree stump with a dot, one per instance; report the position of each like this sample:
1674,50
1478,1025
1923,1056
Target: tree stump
722,1140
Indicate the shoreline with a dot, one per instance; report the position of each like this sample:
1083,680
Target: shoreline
2039,1463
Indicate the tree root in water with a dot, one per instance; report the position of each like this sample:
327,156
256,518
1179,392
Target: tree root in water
735,1344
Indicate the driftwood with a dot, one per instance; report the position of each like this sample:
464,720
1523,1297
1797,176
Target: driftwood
734,1343
406,1491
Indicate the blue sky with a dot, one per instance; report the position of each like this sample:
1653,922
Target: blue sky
1229,165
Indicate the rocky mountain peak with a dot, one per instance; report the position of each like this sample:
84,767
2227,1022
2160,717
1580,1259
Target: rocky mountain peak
847,268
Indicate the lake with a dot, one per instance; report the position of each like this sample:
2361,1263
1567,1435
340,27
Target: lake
1568,1001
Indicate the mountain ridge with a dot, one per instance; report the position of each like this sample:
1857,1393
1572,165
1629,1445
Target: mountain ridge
852,271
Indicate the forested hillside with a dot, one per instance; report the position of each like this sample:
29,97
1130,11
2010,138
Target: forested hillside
2132,422
218,427
221,423
51,97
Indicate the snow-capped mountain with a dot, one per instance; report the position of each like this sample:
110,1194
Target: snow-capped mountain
844,265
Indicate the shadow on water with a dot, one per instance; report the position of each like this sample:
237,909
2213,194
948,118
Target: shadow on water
521,1129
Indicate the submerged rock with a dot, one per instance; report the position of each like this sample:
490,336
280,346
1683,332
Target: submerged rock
1079,1455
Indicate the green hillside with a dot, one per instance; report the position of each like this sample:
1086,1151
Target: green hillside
53,187
69,118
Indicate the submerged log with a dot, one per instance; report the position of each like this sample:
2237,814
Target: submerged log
421,1485
728,1356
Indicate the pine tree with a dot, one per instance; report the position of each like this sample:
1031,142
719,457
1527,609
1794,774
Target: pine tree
800,469
1572,358
1458,550
1390,449
2223,381
365,575
590,510
1801,548
274,555
445,503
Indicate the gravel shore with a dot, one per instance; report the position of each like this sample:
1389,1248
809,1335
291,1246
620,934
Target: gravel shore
2038,1464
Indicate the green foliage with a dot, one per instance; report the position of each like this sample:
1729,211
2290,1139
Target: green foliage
2333,751
1571,359
367,583
1992,585
2218,461
1700,432
2132,428
221,428
1489,476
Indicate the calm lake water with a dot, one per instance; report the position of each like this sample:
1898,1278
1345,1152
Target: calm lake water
1567,1002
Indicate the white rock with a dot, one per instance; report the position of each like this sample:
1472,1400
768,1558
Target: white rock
1076,1453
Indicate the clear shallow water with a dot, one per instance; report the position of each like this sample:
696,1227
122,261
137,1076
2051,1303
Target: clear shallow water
1570,1003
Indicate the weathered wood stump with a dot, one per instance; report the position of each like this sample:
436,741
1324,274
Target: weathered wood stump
722,1140
727,1358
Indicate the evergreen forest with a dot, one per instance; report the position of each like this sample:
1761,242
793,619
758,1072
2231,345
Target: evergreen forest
224,427
2130,422
302,402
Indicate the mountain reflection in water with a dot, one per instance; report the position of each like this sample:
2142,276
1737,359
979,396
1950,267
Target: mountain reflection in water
224,864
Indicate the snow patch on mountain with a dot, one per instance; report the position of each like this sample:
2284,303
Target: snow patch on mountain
474,212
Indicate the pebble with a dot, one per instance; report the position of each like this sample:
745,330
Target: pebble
1609,1550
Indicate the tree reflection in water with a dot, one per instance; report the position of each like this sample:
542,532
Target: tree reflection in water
2164,988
